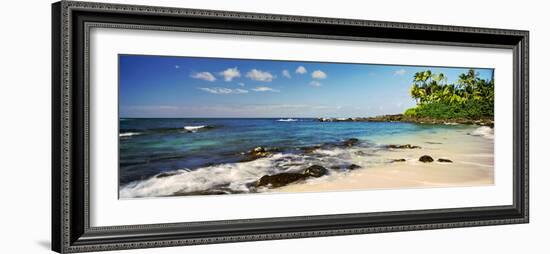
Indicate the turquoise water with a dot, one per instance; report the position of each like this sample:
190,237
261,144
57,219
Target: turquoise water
152,146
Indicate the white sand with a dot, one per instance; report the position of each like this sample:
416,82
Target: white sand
472,165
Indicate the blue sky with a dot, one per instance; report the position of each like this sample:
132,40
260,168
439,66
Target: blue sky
162,86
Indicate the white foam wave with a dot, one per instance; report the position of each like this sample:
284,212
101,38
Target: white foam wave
232,176
483,131
194,128
128,134
240,177
287,120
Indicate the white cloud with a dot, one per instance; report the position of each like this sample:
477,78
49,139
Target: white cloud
318,75
315,83
230,74
241,84
223,90
258,75
264,89
286,74
204,76
176,66
301,70
400,72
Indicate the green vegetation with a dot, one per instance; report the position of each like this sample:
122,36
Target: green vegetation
469,98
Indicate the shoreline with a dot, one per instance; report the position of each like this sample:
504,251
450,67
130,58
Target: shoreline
472,165
488,121
458,157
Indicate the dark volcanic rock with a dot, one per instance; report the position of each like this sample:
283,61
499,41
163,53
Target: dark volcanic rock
399,160
407,146
350,142
353,166
256,153
281,179
426,158
315,171
444,160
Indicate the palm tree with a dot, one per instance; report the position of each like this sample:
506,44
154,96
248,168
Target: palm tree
418,93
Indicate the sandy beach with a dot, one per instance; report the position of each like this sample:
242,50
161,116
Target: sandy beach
361,156
472,165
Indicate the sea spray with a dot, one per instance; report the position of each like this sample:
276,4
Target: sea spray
241,177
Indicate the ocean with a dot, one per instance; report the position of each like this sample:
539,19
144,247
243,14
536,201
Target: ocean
192,156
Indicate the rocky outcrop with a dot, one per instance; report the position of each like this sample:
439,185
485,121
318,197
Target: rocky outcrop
282,179
343,119
352,167
444,160
407,146
257,152
422,120
315,171
426,158
398,160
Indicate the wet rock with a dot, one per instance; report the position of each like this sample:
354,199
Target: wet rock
256,153
398,160
426,158
258,150
353,166
280,180
407,146
444,160
350,142
315,171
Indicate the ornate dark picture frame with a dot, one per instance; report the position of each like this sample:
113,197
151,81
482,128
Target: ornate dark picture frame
71,230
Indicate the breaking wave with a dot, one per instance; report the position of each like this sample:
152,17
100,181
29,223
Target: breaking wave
194,128
128,134
484,131
287,120
241,177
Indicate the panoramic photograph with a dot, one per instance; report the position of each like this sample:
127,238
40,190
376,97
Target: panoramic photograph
211,126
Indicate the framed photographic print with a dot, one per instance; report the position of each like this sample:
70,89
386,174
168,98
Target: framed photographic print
181,126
